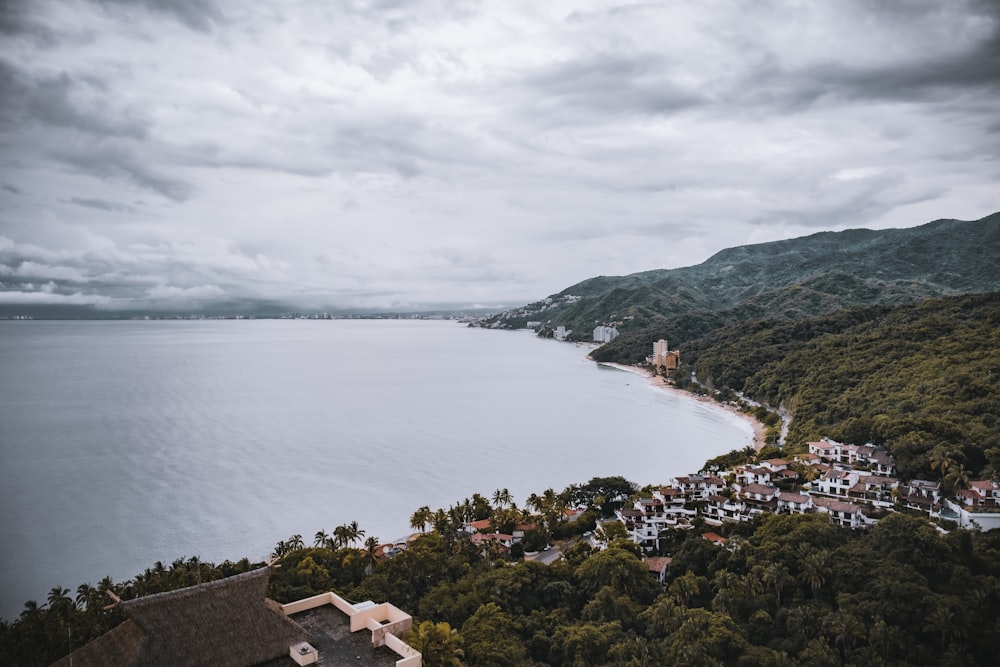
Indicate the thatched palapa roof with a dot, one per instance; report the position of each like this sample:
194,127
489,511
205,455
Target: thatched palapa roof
224,623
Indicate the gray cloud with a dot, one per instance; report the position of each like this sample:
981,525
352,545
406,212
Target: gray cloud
198,15
16,21
49,101
116,163
610,84
380,153
99,204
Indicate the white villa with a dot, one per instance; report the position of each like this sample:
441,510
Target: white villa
855,484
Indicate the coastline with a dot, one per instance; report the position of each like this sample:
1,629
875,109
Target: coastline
659,383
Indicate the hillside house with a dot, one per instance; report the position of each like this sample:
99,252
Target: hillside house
720,508
874,490
922,495
231,623
869,457
984,494
759,499
842,513
657,567
794,503
752,474
835,482
697,487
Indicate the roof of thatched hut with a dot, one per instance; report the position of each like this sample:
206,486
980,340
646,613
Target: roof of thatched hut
228,622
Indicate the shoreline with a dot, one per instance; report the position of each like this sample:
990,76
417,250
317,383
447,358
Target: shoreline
657,381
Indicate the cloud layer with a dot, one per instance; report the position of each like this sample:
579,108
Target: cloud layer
175,154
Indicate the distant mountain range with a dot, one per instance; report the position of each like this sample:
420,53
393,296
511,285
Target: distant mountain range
793,279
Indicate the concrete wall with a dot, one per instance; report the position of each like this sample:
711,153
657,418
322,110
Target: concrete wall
981,520
410,656
318,601
379,614
385,621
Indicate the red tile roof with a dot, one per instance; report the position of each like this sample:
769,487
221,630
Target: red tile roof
657,564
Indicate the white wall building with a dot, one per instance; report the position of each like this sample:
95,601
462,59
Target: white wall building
605,334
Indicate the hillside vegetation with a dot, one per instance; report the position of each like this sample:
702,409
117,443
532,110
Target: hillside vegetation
792,590
910,377
792,279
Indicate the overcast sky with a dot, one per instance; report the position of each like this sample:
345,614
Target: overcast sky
388,154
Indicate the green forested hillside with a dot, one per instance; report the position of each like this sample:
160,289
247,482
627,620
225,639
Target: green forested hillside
911,377
790,590
791,279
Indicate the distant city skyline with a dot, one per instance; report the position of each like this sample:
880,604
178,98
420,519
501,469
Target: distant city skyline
179,156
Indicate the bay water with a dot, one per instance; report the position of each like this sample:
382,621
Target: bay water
127,442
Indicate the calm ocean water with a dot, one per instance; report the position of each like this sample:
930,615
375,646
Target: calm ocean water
124,443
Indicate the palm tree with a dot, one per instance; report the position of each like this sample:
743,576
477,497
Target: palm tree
370,553
295,542
535,502
441,521
884,638
684,588
776,576
420,519
468,512
942,459
31,610
321,538
354,533
341,535
815,569
554,507
195,563
281,549
438,643
501,497
88,597
957,478
59,598
110,591
845,628
480,507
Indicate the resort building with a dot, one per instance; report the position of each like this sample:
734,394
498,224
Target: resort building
867,457
853,487
842,513
231,623
605,334
662,359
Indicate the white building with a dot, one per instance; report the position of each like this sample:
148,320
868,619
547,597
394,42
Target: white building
605,334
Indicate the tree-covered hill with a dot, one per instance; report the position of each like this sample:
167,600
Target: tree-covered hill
787,590
911,377
790,279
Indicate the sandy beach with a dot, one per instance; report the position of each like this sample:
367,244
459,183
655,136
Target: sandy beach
660,383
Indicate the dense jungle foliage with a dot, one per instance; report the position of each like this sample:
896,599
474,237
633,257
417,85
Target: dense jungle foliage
788,590
912,377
